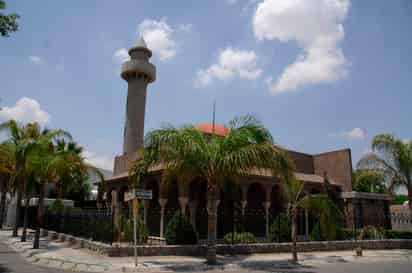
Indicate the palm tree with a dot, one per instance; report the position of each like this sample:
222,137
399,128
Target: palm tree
298,199
6,171
393,156
186,153
45,163
21,147
73,171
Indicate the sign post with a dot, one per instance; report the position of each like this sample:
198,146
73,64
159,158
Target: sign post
135,195
135,213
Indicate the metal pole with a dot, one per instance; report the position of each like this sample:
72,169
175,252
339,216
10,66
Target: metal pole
135,211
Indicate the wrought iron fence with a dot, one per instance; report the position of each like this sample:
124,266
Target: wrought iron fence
89,224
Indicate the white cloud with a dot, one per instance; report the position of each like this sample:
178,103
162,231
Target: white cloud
185,27
120,56
159,38
316,25
231,62
352,134
25,110
36,59
100,161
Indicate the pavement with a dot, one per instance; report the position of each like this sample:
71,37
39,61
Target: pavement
59,257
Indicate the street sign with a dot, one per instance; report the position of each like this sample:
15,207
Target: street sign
144,194
141,194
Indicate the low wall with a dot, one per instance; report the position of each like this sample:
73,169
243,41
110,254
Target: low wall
200,250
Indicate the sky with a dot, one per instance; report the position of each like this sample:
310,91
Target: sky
320,74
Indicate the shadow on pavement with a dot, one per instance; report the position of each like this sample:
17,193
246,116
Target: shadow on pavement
4,269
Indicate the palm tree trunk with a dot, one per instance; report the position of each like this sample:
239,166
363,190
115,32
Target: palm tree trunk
40,209
26,214
211,227
2,203
18,208
410,197
294,231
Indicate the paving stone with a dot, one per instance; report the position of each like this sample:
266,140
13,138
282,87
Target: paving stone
81,267
96,268
55,263
67,266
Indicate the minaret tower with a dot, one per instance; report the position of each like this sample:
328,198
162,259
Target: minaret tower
138,72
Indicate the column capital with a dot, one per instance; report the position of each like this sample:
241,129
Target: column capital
162,202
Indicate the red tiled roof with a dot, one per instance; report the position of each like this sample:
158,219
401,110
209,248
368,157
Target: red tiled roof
219,129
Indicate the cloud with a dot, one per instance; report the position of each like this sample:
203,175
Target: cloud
100,161
185,27
316,25
36,60
120,56
231,62
25,110
352,134
159,38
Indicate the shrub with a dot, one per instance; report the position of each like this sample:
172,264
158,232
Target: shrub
315,234
57,207
371,233
239,237
280,229
180,232
394,234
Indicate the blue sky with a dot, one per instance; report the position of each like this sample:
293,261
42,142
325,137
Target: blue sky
321,75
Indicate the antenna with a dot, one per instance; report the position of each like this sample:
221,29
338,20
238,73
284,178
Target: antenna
214,116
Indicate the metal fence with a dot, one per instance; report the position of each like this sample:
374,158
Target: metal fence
89,224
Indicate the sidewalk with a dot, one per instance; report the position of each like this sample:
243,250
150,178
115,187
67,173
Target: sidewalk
59,255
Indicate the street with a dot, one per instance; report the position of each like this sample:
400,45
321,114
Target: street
12,262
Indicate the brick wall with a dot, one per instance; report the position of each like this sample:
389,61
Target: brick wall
303,162
338,166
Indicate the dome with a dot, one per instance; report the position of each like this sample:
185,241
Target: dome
207,128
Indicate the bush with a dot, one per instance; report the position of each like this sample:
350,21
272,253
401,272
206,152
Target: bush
239,237
180,232
315,234
371,233
57,207
394,234
280,229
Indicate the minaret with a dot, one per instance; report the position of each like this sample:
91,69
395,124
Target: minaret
138,72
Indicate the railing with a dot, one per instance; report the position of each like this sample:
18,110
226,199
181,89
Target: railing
89,224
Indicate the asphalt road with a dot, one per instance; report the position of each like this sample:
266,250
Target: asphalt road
12,262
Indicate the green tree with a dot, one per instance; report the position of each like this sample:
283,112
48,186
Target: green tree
369,181
8,22
73,171
297,199
6,170
45,162
19,144
186,153
393,156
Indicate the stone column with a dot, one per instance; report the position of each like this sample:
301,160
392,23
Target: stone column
307,224
244,189
183,201
193,208
162,203
145,208
115,209
266,206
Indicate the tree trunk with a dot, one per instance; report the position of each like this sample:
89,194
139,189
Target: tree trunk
211,226
2,203
18,208
26,214
294,231
40,209
410,197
